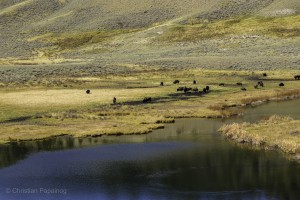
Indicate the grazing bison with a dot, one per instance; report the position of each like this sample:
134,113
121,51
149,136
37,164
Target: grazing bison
88,91
147,99
207,87
204,90
239,83
243,89
264,74
195,89
161,83
281,84
180,89
256,86
297,77
176,81
186,89
114,100
194,82
260,83
222,84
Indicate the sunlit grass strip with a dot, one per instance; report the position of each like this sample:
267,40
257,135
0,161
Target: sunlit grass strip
281,27
276,95
73,40
280,132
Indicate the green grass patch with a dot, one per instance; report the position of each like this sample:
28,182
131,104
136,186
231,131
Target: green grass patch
73,40
276,26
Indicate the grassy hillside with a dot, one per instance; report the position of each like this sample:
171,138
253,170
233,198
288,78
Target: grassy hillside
248,26
149,32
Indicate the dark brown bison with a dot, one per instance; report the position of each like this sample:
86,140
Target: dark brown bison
180,89
207,87
186,89
176,81
260,83
281,84
195,89
222,84
161,83
256,86
239,83
114,100
147,99
264,74
297,77
88,91
204,90
243,89
194,82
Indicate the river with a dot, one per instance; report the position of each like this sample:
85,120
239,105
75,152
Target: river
185,160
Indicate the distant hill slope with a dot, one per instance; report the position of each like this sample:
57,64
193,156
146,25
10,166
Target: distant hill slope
63,15
21,20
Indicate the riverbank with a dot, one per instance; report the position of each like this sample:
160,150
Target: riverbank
59,105
279,132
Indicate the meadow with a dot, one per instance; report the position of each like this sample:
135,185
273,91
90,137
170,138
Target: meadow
50,105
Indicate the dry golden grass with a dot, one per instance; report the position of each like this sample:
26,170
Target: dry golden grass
272,95
276,132
71,97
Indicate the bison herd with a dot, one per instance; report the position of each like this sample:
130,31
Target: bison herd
195,89
204,90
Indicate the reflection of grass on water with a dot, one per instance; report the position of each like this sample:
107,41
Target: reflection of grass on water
275,132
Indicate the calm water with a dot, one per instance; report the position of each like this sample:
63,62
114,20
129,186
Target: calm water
186,160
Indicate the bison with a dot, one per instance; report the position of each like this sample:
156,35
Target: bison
147,99
222,84
161,83
260,83
256,86
207,87
176,81
194,82
239,83
114,100
180,89
195,89
204,90
264,74
244,89
186,89
281,84
297,77
88,91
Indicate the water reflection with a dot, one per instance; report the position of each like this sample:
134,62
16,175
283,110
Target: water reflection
186,160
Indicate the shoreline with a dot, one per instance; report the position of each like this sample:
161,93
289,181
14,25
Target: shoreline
275,133
38,113
161,125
